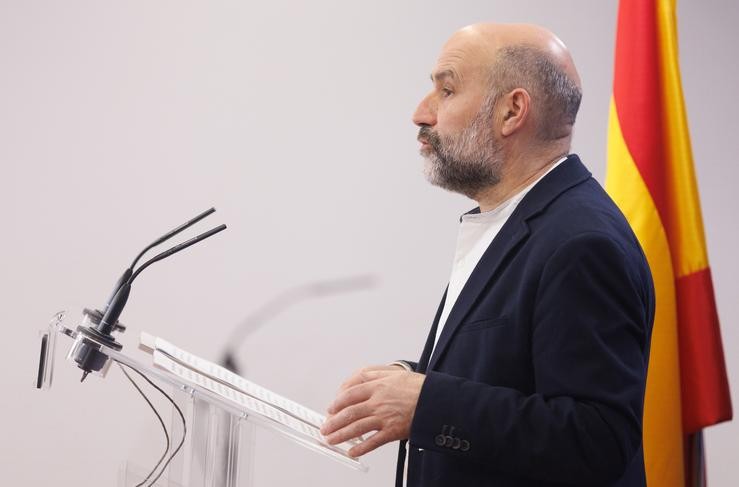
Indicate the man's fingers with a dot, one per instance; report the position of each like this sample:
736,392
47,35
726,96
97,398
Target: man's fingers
352,381
353,395
374,441
365,375
354,430
357,377
345,417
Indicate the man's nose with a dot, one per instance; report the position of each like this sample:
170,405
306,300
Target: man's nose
425,114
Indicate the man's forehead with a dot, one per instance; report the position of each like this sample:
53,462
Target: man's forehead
460,58
457,72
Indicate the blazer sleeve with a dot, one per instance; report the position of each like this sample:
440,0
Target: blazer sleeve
589,342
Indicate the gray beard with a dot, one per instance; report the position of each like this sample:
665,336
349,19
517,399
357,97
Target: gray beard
465,163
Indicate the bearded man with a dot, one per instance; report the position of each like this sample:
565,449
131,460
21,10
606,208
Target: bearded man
534,371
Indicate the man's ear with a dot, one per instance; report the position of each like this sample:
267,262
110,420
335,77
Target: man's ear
515,108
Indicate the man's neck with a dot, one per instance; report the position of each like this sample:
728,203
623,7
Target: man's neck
516,175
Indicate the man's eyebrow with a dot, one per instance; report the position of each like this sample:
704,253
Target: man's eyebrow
447,73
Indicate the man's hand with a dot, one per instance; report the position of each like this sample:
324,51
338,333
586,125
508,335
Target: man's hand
381,399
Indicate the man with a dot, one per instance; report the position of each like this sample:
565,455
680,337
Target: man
534,371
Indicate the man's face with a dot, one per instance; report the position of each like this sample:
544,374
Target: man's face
456,123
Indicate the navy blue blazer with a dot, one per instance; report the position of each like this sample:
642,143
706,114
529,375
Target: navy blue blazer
538,377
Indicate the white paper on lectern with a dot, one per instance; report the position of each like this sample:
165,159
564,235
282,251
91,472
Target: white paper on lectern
234,388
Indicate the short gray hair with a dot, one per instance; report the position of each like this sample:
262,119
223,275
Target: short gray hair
555,96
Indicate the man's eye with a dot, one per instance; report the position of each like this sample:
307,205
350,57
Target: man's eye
446,92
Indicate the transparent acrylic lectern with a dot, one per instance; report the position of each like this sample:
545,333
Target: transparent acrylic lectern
220,411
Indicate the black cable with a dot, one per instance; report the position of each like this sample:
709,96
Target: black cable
161,421
182,418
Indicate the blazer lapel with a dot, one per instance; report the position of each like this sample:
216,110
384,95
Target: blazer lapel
423,362
510,235
568,174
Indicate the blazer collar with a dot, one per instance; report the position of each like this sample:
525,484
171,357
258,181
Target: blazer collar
568,174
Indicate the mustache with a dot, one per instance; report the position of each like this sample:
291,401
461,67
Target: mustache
425,134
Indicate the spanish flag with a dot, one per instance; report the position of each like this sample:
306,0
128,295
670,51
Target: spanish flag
650,176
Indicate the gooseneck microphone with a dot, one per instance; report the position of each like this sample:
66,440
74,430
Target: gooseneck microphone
127,273
103,323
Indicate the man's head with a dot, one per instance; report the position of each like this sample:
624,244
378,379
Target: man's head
502,94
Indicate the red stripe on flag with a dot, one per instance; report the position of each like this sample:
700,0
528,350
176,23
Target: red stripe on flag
705,386
638,94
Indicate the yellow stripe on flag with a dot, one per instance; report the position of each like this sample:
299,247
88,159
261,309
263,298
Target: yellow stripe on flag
686,223
663,436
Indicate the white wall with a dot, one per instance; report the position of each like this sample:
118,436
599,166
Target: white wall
118,120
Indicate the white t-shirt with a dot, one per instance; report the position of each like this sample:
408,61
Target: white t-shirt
476,233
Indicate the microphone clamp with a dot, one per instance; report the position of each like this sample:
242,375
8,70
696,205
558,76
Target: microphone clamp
86,350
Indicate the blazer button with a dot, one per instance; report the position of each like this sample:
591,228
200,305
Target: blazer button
448,441
439,440
457,443
464,445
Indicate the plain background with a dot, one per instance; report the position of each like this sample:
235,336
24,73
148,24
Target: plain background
119,120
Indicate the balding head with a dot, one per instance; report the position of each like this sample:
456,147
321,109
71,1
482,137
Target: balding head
487,38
